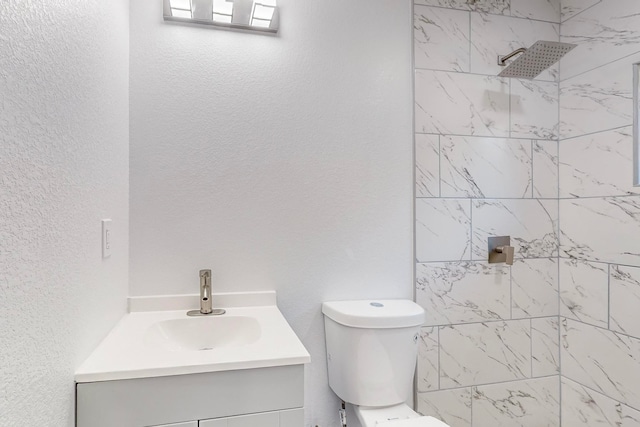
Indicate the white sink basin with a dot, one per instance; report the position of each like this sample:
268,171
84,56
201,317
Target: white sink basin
163,341
203,333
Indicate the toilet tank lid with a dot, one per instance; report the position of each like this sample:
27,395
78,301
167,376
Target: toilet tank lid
379,314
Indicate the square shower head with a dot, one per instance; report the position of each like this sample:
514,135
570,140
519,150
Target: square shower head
542,55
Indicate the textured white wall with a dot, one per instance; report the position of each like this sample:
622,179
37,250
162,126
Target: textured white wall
63,166
279,162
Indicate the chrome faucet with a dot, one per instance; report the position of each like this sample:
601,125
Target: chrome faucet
206,303
205,292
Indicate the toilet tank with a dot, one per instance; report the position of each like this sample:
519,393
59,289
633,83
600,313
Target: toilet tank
372,348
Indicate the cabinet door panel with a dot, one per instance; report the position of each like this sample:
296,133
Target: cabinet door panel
292,418
187,424
219,422
266,419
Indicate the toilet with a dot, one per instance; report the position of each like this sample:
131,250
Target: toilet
372,349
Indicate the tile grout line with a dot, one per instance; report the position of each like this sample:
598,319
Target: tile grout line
516,199
596,132
471,402
521,138
533,181
511,293
489,13
609,297
518,138
594,262
439,166
470,44
531,346
470,231
583,10
559,223
439,350
510,106
470,73
471,386
483,260
487,321
414,248
602,328
601,66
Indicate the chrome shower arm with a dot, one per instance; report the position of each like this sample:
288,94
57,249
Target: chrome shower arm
503,59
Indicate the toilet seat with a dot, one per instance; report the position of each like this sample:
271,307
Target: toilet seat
414,422
394,416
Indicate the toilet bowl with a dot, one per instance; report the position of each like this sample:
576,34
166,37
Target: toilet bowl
394,416
372,349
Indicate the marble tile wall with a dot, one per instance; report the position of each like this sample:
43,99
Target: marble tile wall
599,216
583,406
583,171
548,162
570,8
486,165
584,291
605,229
600,99
604,33
519,402
602,360
545,348
600,344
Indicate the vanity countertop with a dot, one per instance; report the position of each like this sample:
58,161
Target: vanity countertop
138,348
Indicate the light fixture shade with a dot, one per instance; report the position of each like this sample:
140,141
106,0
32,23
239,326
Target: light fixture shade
223,11
223,7
260,23
180,4
222,18
181,8
181,13
262,13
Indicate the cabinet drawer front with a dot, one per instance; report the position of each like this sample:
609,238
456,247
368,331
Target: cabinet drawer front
188,424
268,419
220,422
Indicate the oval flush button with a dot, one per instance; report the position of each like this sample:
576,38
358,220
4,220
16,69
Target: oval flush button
376,304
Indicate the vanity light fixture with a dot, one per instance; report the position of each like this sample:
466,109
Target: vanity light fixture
252,15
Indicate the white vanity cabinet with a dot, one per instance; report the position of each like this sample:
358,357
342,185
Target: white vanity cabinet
263,397
159,367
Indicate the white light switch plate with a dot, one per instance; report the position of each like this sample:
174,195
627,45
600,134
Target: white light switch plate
107,238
